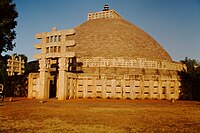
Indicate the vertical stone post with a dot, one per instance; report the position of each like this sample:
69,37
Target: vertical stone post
113,88
73,89
70,87
160,89
62,79
103,78
176,89
76,89
123,88
85,88
94,89
142,87
44,86
30,86
151,88
132,89
168,91
57,85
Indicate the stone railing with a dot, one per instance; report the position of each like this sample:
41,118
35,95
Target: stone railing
134,63
104,14
15,65
123,87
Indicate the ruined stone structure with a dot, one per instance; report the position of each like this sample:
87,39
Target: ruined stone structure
105,57
15,65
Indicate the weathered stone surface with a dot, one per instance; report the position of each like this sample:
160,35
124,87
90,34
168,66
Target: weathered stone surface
113,37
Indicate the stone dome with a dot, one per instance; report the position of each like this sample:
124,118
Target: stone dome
112,37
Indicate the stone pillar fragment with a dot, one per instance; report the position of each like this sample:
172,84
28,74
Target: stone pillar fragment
113,88
168,92
85,88
44,86
176,89
151,89
62,82
142,87
30,86
132,89
103,87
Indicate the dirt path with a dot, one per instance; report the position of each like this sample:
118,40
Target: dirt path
99,115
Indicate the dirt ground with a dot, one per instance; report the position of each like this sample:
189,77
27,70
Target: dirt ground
99,116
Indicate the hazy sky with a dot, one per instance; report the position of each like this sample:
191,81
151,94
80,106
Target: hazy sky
175,24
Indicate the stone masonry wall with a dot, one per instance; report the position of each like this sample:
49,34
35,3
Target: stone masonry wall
123,86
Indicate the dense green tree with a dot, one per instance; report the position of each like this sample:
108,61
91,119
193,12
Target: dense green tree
5,58
3,72
190,80
8,14
32,66
24,57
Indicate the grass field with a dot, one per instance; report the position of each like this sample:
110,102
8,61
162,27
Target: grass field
99,116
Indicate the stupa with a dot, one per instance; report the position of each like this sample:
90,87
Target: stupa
105,57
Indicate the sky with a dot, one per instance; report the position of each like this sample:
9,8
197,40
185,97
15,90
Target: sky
175,24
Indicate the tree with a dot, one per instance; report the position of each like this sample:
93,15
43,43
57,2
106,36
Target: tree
32,66
24,57
3,72
8,14
190,80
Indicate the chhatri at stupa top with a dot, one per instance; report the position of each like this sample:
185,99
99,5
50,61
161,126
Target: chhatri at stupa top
105,13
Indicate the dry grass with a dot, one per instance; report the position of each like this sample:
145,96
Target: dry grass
98,115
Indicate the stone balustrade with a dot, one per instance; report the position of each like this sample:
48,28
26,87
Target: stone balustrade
115,86
104,14
15,65
131,63
122,86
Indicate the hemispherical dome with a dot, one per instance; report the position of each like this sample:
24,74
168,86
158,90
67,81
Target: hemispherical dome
115,38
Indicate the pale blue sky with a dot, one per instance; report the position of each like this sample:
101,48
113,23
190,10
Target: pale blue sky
175,24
